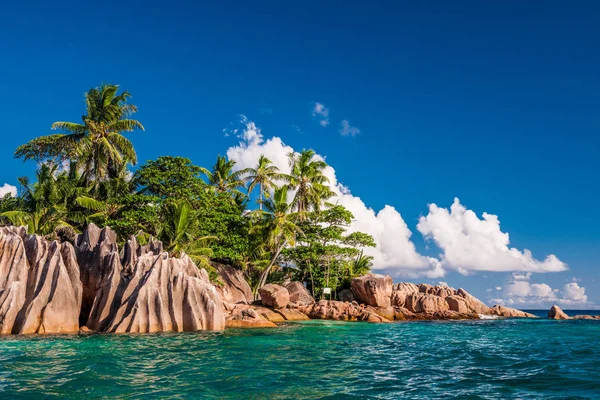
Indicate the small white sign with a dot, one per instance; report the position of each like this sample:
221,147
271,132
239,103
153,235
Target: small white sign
326,290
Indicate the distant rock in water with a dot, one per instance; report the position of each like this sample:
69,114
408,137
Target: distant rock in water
40,290
375,290
511,312
146,291
556,313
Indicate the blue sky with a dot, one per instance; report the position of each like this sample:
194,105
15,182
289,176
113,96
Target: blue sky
494,103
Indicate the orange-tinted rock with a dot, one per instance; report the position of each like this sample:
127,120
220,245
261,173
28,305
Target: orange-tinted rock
291,314
247,316
474,304
556,313
511,312
373,289
342,311
457,303
401,291
274,296
245,323
425,303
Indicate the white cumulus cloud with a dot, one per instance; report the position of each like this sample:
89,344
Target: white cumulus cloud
321,112
8,189
473,244
394,253
348,130
523,293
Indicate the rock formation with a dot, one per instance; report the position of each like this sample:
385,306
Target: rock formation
146,291
274,295
556,313
401,291
40,290
346,295
299,294
52,287
511,312
343,311
234,288
373,289
425,303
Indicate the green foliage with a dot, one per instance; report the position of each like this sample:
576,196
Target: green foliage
83,177
95,145
171,178
309,182
222,176
326,255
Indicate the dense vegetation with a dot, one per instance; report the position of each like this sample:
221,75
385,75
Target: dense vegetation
295,232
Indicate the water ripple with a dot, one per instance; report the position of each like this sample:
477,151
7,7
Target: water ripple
491,359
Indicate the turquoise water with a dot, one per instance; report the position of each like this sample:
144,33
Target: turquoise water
489,359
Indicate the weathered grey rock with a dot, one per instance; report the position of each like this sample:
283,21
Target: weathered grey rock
275,296
346,295
511,312
373,289
298,293
234,288
152,292
556,313
40,290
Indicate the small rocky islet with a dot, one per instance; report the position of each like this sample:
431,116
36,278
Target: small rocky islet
48,287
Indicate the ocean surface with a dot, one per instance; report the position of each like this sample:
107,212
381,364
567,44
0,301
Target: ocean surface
487,359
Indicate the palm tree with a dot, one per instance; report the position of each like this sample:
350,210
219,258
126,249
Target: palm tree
222,176
308,180
278,224
178,234
97,143
41,209
360,266
264,175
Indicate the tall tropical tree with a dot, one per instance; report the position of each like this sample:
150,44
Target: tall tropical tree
278,223
40,208
264,176
309,182
96,144
223,177
179,233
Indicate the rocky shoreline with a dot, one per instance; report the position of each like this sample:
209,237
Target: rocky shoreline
51,287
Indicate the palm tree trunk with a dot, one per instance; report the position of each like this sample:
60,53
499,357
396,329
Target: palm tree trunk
265,273
312,281
261,197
